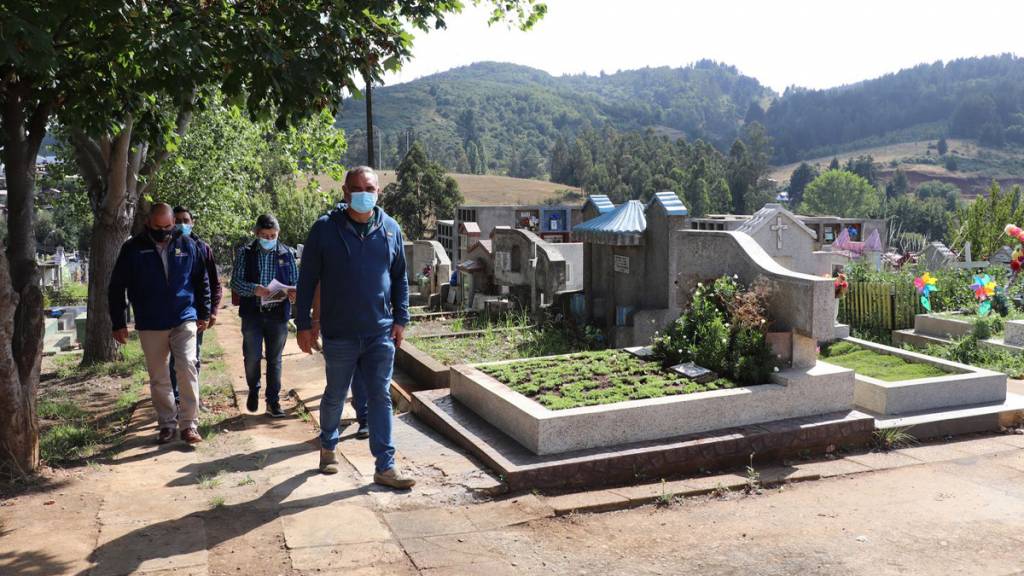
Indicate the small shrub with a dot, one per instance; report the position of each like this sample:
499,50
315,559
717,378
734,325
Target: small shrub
893,438
67,442
753,359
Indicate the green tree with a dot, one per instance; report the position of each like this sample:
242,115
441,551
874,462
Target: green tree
834,164
124,79
898,186
803,175
981,222
422,194
942,146
840,193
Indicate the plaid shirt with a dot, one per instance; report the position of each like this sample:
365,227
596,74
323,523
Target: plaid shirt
268,268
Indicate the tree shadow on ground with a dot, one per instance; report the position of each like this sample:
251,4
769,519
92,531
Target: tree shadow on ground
126,553
31,564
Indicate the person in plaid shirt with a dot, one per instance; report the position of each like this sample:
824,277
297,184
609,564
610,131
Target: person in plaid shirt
258,263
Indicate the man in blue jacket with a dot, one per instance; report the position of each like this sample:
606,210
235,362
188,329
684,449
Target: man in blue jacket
167,284
357,256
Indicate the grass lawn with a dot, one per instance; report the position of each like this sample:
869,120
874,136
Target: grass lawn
885,367
592,378
493,345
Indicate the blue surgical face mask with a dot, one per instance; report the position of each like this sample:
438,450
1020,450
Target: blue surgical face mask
268,244
185,229
363,202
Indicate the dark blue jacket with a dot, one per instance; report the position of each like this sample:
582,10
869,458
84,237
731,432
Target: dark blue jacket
159,300
363,285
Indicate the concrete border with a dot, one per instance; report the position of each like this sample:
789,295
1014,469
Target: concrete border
794,393
963,386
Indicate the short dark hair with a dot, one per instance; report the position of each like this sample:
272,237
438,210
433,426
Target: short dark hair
361,170
267,222
181,209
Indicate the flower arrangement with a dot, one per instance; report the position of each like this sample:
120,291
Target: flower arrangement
925,285
841,285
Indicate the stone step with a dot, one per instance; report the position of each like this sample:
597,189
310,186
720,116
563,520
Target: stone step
966,420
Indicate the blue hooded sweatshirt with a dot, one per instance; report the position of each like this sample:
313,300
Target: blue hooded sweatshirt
363,285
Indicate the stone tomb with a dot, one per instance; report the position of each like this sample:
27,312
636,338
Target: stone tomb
535,271
799,303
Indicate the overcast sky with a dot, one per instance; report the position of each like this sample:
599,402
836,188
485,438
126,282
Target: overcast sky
816,44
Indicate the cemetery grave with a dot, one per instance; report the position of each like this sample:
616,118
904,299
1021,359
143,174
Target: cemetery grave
591,378
867,362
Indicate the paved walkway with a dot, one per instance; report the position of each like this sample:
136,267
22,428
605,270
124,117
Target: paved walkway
249,501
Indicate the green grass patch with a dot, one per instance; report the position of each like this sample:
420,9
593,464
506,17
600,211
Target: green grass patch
67,442
132,363
64,410
493,345
885,367
593,378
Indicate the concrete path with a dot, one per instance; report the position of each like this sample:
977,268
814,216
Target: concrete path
249,501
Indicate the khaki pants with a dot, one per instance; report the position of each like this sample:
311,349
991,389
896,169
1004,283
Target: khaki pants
158,345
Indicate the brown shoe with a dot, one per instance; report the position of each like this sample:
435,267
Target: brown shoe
166,435
191,435
328,461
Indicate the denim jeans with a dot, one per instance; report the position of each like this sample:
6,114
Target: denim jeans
257,330
359,397
373,357
199,362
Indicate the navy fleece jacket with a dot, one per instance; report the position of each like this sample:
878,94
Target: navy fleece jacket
363,285
161,300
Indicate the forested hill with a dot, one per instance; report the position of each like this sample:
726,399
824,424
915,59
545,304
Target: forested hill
504,118
977,98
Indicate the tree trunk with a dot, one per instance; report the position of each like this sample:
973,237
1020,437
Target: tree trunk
104,247
369,124
21,300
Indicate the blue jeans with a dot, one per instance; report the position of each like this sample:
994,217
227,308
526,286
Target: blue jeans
374,358
359,397
199,362
257,330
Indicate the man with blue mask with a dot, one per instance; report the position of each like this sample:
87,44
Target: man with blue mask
259,263
356,255
183,223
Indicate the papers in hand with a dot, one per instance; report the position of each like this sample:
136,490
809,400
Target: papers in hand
278,293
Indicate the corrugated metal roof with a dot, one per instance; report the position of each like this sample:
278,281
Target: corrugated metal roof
623,226
601,202
670,200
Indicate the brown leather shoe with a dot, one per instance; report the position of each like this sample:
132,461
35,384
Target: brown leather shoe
191,435
166,435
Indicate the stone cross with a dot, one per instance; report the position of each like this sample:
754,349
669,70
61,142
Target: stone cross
779,228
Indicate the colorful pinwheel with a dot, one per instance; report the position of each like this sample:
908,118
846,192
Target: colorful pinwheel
984,288
925,285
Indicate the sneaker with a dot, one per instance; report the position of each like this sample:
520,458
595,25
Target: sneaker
328,461
274,410
166,435
252,403
363,433
191,436
391,477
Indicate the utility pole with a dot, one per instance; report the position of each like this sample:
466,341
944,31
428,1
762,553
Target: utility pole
369,122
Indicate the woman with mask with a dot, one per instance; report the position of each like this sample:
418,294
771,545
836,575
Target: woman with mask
264,324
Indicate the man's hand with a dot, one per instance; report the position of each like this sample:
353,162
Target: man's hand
121,336
291,295
261,291
307,341
213,320
201,325
398,334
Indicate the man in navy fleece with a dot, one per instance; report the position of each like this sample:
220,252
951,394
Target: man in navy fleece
167,284
356,255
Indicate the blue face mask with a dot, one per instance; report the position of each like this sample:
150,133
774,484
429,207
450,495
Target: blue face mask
363,202
268,244
185,229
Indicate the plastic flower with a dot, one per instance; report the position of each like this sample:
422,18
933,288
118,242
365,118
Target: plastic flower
984,287
925,286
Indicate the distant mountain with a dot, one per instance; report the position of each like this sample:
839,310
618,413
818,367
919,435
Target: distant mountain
504,118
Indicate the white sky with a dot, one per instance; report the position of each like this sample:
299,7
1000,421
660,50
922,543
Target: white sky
815,44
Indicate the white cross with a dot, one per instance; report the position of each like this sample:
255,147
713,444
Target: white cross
778,228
